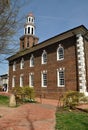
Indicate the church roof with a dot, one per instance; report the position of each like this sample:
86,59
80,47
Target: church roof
72,32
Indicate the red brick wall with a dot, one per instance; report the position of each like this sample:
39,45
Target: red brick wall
69,63
32,40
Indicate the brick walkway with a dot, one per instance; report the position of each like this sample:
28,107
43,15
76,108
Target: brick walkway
39,116
28,117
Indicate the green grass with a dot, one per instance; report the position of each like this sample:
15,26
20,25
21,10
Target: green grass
71,120
4,100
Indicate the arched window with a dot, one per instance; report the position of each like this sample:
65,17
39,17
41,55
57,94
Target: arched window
44,57
31,61
22,64
60,53
29,19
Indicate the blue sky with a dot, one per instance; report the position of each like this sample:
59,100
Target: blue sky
53,17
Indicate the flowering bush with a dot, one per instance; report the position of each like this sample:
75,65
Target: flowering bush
72,98
23,93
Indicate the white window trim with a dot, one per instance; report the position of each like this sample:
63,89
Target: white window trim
42,58
14,66
31,58
13,81
30,79
21,80
58,78
22,64
42,80
58,59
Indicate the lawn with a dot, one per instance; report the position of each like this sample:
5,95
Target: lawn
4,100
74,120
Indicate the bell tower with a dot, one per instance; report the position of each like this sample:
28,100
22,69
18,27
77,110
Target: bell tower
29,39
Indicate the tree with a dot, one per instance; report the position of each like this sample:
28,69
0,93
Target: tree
10,22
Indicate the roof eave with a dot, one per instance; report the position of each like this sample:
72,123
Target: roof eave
72,32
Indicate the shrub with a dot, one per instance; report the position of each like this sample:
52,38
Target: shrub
23,93
84,99
28,92
17,91
71,98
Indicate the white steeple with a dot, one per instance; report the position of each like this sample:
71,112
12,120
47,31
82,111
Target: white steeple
29,27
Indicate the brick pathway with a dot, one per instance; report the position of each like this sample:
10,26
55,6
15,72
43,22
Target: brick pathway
40,116
28,117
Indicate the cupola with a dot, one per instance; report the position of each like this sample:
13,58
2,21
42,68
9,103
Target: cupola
29,39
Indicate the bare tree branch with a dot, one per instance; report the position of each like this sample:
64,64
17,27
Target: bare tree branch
10,23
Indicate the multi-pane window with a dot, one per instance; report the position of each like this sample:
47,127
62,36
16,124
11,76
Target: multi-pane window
31,79
13,81
44,57
14,66
22,64
44,79
60,53
31,61
60,78
21,80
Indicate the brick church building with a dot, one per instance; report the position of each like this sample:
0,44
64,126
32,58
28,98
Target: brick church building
53,66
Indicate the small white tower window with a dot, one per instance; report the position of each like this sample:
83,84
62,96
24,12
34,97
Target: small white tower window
28,30
32,31
29,19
